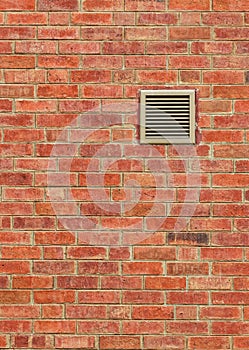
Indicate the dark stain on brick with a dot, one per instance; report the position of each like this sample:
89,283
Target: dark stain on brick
247,77
188,238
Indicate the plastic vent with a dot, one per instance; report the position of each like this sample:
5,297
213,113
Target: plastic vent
167,116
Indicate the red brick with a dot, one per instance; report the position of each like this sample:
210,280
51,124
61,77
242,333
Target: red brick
17,61
143,327
58,91
148,76
16,179
58,5
17,33
189,33
193,268
228,19
241,343
190,76
58,61
188,238
86,311
242,224
231,239
124,18
53,253
16,91
99,297
157,18
23,135
54,237
228,328
54,326
220,312
79,47
146,268
10,5
230,298
119,312
228,5
87,76
186,253
241,106
226,268
189,62
54,297
102,91
86,253
186,327
230,92
221,253
76,342
102,33
96,267
211,47
187,297
161,342
190,18
58,76
242,47
77,282
222,136
137,5
105,5
231,180
206,343
145,62
15,326
24,311
58,33
54,267
59,18
235,210
159,47
52,311
36,106
145,33
154,253
27,18
3,341
5,105
25,76
119,342
210,282
21,253
14,297
117,282
231,151
32,282
234,62
186,312
195,5
118,48
143,297
92,18
224,77
14,237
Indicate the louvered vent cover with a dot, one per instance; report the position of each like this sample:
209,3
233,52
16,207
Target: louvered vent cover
167,116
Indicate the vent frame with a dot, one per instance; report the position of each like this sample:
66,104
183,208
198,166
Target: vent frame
192,116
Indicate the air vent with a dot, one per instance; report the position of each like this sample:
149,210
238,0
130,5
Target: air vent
167,116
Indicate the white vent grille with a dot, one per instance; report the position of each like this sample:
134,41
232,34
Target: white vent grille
167,116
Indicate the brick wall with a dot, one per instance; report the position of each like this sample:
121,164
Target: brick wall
106,243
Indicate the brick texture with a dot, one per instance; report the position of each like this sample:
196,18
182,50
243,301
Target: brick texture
153,264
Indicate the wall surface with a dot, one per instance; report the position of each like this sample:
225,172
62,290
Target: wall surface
107,243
